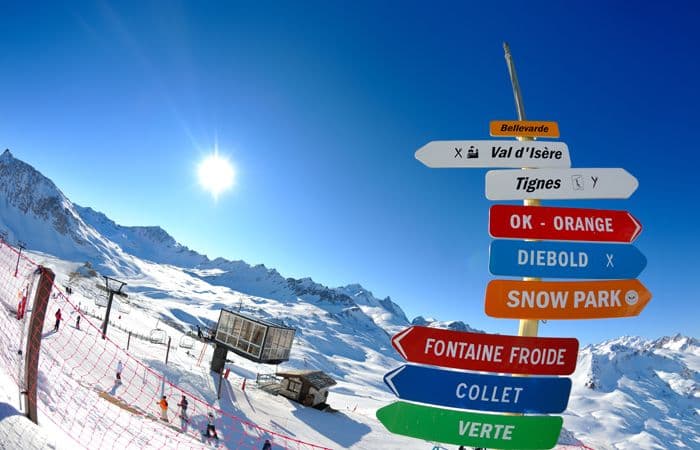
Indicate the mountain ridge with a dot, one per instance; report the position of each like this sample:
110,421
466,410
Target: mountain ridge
39,214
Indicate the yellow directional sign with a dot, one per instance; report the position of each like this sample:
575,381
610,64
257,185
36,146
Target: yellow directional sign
524,128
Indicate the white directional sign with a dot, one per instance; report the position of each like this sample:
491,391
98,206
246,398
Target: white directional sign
559,184
455,154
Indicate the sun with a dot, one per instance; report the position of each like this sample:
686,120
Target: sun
216,174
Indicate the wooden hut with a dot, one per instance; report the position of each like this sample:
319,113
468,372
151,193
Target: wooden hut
308,387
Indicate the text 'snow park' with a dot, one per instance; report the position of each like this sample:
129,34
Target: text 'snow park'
487,352
559,184
470,428
474,154
562,224
510,299
565,260
478,391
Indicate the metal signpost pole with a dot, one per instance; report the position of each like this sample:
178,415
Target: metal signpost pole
527,327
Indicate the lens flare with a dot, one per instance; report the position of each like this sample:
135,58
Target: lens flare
216,174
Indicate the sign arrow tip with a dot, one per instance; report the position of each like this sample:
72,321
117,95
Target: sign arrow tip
396,341
389,379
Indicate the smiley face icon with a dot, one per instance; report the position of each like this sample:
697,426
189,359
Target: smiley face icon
631,297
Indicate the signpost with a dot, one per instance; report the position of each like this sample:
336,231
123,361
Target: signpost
487,352
559,184
464,154
469,428
562,224
527,128
565,260
483,392
565,300
531,300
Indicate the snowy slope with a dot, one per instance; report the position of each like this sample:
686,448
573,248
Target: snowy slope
628,393
78,394
631,393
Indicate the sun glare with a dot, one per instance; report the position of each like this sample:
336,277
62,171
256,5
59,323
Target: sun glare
215,174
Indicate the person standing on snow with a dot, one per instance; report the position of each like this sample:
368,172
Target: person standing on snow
163,403
211,429
22,306
120,368
267,445
183,408
58,319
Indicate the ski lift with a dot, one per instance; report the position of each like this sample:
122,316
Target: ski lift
99,300
124,307
186,342
158,336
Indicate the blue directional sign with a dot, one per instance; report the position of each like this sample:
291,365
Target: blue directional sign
483,392
544,259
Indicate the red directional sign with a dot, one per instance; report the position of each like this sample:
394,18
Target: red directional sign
562,224
487,352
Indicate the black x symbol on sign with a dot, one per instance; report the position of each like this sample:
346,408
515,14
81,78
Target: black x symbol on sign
458,152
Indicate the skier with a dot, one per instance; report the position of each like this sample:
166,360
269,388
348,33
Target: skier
120,368
183,408
77,322
211,429
267,445
163,403
58,319
199,332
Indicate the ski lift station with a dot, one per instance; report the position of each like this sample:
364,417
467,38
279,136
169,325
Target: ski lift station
252,338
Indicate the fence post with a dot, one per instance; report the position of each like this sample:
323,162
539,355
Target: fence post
36,324
221,378
167,353
128,341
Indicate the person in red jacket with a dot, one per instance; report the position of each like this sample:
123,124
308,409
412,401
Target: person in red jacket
22,306
58,319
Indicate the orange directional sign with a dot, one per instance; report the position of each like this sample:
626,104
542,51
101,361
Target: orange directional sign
565,300
525,128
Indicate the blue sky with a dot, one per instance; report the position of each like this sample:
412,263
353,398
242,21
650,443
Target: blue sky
321,106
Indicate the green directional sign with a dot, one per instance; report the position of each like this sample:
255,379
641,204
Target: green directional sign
469,428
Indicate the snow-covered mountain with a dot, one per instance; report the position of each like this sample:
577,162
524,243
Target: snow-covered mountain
455,325
632,393
35,212
149,243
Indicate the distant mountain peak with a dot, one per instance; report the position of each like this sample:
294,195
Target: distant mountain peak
640,383
454,325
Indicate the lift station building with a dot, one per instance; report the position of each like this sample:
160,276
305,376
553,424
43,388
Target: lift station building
255,339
